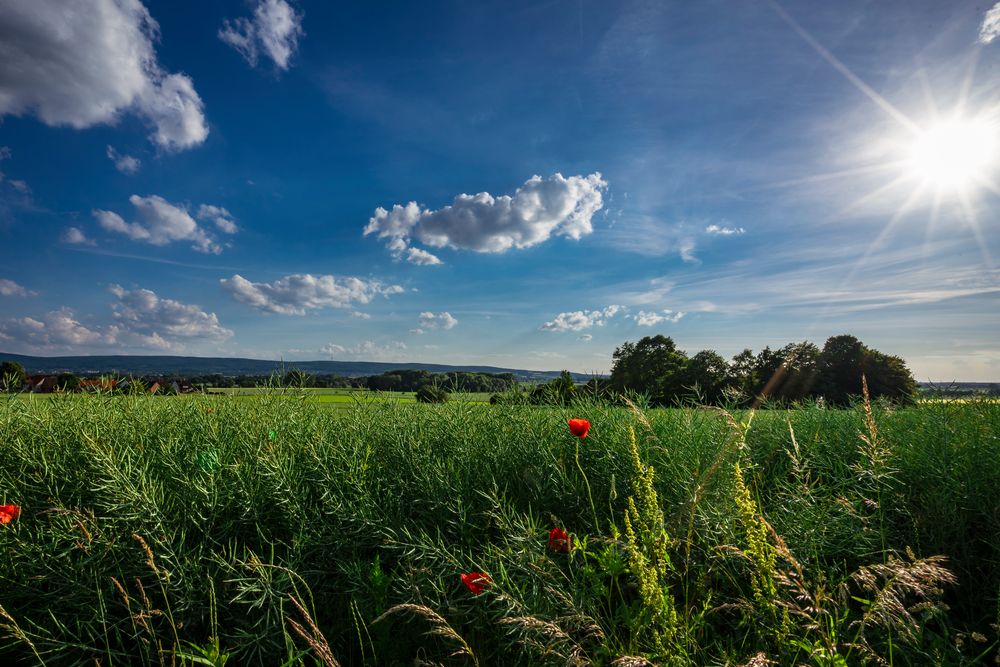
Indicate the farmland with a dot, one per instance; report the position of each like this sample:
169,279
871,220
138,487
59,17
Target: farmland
155,530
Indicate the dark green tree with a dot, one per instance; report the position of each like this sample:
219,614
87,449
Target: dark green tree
12,376
653,366
68,382
297,378
431,394
705,377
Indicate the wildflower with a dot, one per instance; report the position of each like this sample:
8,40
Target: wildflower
9,512
579,427
476,582
559,541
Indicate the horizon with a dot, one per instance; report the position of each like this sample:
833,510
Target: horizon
512,185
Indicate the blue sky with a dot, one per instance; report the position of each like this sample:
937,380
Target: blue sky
236,178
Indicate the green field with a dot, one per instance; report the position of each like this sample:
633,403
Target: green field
345,397
157,530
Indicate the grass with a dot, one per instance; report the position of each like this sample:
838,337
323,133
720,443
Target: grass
274,531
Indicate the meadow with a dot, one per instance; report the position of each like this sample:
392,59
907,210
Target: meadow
267,529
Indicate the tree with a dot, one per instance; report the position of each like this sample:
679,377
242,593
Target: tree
705,377
297,378
68,382
12,376
845,359
653,366
431,394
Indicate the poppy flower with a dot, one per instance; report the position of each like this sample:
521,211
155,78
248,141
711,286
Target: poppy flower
579,427
559,541
9,512
477,582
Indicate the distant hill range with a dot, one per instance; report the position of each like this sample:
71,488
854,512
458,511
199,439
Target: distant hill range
230,367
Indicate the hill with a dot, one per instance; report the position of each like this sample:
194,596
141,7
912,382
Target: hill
231,367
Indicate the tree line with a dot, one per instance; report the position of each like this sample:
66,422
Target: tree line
657,369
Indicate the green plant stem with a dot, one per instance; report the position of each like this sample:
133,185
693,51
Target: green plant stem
590,496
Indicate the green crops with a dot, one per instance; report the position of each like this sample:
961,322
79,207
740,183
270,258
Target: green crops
164,530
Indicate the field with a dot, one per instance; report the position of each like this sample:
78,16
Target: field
338,398
271,530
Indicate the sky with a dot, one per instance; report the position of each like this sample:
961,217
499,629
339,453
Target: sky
515,184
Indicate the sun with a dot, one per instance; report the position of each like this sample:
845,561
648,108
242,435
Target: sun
954,155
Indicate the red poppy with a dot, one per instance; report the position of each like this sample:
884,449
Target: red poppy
476,582
559,541
9,512
579,427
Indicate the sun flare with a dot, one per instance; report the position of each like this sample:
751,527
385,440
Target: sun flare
955,154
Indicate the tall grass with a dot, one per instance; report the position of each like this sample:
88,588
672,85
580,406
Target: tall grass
162,531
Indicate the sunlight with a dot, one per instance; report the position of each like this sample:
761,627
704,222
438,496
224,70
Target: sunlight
953,155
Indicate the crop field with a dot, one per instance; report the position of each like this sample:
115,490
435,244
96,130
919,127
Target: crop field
345,397
263,530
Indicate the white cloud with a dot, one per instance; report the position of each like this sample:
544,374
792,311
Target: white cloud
422,257
75,236
222,218
274,29
87,63
648,319
126,164
586,337
579,320
484,223
724,231
141,320
142,312
417,332
369,350
160,223
990,29
429,320
11,288
295,294
361,316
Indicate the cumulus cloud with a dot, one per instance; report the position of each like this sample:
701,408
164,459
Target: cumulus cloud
990,29
429,320
723,230
368,350
537,210
274,30
87,63
421,257
141,320
651,318
579,320
141,311
298,293
75,236
361,316
159,223
126,164
222,218
10,288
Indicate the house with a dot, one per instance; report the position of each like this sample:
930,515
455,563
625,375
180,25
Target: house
41,384
98,384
